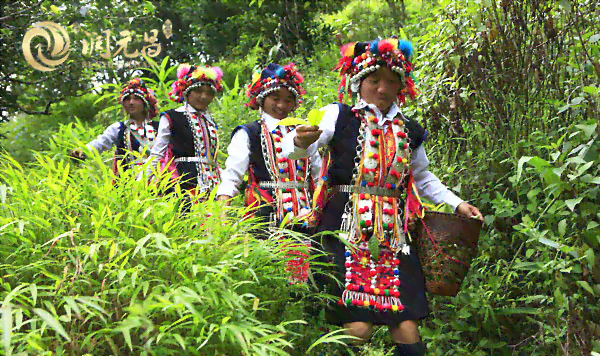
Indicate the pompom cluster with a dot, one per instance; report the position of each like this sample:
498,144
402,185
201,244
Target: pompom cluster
360,59
191,76
138,88
272,78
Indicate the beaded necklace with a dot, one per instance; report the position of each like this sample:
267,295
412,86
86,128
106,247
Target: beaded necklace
143,133
296,199
206,145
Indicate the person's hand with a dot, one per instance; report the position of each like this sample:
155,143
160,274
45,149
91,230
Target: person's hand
78,154
469,211
306,136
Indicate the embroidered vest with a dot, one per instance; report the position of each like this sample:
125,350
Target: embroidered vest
372,161
266,165
126,142
342,149
200,141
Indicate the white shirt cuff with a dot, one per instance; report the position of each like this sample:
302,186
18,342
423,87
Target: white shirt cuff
227,188
291,151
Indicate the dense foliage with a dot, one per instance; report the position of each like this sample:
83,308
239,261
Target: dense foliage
509,94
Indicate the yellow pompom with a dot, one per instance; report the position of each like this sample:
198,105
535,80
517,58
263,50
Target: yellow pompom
255,77
394,42
198,73
210,74
349,52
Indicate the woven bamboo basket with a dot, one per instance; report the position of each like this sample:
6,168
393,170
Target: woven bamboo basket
446,245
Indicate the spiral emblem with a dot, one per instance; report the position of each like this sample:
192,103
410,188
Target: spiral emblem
57,44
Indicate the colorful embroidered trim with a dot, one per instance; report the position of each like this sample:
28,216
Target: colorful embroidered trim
294,201
206,145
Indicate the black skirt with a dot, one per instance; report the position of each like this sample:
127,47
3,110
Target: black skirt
412,288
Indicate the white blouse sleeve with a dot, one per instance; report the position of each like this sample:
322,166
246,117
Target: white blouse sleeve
107,139
159,149
428,185
236,164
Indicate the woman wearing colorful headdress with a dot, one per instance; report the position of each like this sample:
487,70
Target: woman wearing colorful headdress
136,134
278,188
376,167
187,141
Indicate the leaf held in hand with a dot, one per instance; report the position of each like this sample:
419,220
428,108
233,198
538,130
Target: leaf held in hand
315,117
292,121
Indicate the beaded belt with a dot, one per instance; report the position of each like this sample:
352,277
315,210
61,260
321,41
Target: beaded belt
283,185
194,159
385,192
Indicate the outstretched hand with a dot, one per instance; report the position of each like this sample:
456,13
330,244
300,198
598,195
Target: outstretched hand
306,136
78,154
469,211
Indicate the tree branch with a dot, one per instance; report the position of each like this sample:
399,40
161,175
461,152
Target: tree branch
4,18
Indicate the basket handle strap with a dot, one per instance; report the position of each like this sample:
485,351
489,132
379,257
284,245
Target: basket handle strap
437,246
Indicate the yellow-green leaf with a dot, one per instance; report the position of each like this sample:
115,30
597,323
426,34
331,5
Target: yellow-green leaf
291,121
315,117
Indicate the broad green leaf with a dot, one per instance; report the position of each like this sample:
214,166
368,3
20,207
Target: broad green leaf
374,247
585,285
591,90
522,161
562,227
588,130
315,117
292,121
572,203
52,322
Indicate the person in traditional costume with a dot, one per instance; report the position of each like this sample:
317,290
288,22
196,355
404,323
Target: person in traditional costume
187,141
278,188
136,134
375,169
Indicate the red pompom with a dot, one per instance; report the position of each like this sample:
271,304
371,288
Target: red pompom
384,46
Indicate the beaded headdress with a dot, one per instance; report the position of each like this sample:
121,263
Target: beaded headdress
138,88
191,76
271,79
359,59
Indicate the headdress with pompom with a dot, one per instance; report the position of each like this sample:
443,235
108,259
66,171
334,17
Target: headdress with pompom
272,78
191,76
138,88
363,58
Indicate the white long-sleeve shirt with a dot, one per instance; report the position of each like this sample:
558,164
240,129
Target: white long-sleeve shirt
428,185
107,139
239,158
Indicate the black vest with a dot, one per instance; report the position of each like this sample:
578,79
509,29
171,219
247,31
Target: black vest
181,143
121,150
342,148
257,162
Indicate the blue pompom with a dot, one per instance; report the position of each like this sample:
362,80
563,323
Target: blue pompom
281,72
406,48
374,45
